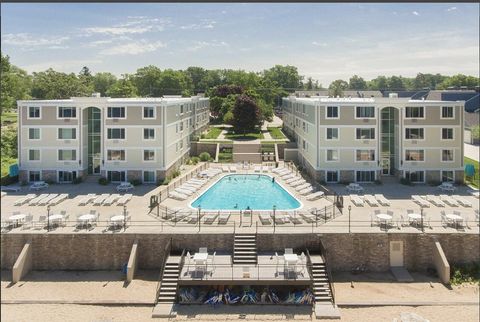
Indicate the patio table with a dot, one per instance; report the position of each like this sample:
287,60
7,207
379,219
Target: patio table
200,259
16,219
118,219
85,219
54,219
384,218
415,217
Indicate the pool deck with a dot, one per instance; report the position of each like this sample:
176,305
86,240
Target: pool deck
144,221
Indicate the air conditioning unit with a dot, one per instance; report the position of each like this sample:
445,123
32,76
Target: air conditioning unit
66,141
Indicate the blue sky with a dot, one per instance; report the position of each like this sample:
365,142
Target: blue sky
325,41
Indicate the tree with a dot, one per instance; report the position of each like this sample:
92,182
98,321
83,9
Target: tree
123,88
246,114
102,82
285,76
15,84
460,80
379,83
395,83
357,83
337,87
309,84
196,75
54,85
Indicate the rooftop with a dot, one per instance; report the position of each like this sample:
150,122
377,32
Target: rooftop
148,100
325,99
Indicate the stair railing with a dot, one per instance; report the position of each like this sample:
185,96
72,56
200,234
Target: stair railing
324,254
180,268
167,249
309,265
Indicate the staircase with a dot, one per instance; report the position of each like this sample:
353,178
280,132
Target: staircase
169,283
321,287
245,249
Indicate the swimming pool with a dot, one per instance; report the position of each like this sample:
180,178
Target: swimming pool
243,191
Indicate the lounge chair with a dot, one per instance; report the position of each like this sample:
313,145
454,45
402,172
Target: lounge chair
277,170
462,201
186,187
55,201
265,219
287,175
283,171
449,200
257,169
100,199
308,217
475,193
87,199
357,201
124,186
291,180
24,199
223,218
265,168
370,200
225,168
36,200
303,186
420,201
41,223
435,200
382,200
293,218
195,185
210,217
177,195
199,181
233,168
110,200
187,192
306,191
124,199
47,199
280,218
298,183
315,195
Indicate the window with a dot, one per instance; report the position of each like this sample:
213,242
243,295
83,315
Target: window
304,144
415,176
447,155
366,134
414,155
304,128
149,112
332,176
447,112
116,176
181,109
365,112
116,134
447,176
414,134
116,112
447,134
67,176
332,112
365,176
303,108
365,155
67,112
34,175
414,112
181,145
149,176
116,155
181,126
332,155
34,134
34,112
332,134
149,134
66,134
34,155
148,155
67,155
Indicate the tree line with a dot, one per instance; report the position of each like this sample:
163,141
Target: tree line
150,81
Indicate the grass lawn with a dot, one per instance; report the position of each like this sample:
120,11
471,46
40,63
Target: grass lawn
213,133
276,133
245,137
475,180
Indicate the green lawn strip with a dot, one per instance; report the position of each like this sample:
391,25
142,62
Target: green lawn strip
276,133
215,141
213,133
475,180
246,136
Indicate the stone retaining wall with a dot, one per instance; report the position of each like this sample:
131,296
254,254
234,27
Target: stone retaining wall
111,252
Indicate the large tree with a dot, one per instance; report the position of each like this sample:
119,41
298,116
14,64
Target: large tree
396,83
337,87
15,84
246,115
285,76
460,80
103,81
55,85
357,82
124,87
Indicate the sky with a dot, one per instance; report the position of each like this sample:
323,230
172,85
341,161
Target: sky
325,41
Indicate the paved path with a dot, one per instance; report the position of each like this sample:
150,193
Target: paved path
472,151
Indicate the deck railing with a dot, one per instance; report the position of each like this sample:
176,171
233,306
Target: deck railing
166,254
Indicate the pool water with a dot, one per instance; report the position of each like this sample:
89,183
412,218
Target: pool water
243,191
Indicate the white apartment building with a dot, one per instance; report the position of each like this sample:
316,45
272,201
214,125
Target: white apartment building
118,138
368,139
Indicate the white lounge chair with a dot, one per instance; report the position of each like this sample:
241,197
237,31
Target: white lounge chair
100,199
283,171
293,218
184,191
87,199
257,169
210,217
370,200
225,168
435,200
36,200
233,168
291,180
55,201
287,175
24,199
449,200
111,199
298,183
265,218
303,186
177,195
277,170
124,186
420,201
124,199
47,199
315,195
308,217
306,191
357,201
382,200
39,185
195,185
189,188
462,201
223,218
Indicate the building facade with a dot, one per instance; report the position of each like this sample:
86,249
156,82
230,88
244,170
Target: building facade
118,138
368,139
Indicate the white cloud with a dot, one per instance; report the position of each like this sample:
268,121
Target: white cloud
204,24
415,13
103,42
133,25
28,40
133,48
452,9
204,44
66,66
319,44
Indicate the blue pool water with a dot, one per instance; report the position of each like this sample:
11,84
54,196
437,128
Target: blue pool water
239,191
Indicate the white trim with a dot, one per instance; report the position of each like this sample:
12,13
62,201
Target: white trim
154,156
39,171
441,175
58,175
69,149
39,155
365,149
149,118
34,118
113,118
366,170
39,133
154,134
414,118
414,149
332,161
424,175
66,128
413,127
326,134
365,118
326,112
441,155
441,133
447,118
370,125
115,128
363,128
66,118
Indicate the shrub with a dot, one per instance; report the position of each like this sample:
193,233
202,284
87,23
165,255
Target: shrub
194,160
175,174
164,182
202,136
205,156
77,180
406,182
136,182
465,273
103,181
195,138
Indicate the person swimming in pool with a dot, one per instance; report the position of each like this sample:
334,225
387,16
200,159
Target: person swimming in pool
236,206
273,179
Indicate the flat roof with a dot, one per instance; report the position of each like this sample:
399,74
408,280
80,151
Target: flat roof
324,99
147,100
